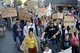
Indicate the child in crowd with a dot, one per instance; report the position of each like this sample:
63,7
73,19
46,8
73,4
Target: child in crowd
47,49
66,43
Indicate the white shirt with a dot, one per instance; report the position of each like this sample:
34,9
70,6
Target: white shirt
50,51
60,28
26,28
32,25
66,31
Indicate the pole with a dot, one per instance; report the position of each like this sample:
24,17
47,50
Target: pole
16,6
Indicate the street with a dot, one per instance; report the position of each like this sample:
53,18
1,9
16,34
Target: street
7,44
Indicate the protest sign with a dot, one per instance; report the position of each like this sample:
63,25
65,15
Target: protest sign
24,14
58,16
9,12
69,21
42,11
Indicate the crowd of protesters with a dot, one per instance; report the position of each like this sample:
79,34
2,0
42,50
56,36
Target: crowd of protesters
53,35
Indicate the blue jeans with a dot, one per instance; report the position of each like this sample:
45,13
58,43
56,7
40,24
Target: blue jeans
18,43
21,38
52,44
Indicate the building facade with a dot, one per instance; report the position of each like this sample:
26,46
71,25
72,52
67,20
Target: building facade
62,2
7,1
1,4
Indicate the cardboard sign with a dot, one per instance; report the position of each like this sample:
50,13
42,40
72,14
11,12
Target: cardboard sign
31,4
69,21
58,16
24,14
42,11
9,12
55,16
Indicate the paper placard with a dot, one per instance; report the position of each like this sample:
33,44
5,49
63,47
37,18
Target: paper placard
9,12
69,21
42,11
55,16
58,16
24,14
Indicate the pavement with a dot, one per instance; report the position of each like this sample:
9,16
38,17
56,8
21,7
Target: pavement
7,44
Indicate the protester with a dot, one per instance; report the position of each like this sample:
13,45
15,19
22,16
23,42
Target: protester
2,27
32,25
65,11
22,36
31,42
18,33
26,28
66,43
72,11
37,26
50,34
75,43
77,25
50,31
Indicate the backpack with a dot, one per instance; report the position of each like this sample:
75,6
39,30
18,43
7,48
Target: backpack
75,41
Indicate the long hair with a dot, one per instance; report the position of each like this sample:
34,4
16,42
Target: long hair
75,34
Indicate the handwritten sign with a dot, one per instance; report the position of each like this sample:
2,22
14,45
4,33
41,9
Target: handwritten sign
69,21
42,11
58,16
9,12
24,14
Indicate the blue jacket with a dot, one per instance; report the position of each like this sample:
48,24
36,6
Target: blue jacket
15,30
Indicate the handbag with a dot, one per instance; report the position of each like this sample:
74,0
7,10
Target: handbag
24,47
